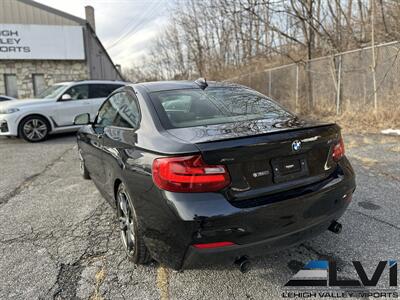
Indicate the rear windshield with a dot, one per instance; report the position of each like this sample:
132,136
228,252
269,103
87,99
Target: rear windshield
195,107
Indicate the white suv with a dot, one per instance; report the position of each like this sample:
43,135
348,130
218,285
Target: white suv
55,109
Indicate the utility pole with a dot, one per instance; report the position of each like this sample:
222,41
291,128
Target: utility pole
373,55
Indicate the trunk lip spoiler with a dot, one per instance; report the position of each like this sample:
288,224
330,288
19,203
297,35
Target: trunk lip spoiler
273,132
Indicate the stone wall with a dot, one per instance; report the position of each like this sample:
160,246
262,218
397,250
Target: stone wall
53,71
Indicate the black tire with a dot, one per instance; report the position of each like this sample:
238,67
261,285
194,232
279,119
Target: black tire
82,167
34,129
135,247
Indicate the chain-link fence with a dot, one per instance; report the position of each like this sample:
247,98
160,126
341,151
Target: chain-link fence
337,83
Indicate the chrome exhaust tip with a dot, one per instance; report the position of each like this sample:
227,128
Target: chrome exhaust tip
243,263
335,227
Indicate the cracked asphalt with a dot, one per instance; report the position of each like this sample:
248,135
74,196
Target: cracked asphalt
59,239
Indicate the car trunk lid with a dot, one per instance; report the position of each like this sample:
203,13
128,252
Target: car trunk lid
265,157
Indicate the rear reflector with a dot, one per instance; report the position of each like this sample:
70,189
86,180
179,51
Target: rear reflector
338,150
213,245
189,174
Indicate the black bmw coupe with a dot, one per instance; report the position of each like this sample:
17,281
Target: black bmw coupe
202,172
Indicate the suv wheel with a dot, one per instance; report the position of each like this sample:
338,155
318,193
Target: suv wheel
131,237
34,129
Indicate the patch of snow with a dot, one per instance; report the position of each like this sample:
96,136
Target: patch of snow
391,131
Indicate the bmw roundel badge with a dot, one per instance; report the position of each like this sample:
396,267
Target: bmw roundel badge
296,145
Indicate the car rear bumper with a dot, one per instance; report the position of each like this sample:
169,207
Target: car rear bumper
199,218
197,257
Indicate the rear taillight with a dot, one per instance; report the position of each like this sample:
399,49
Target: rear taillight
338,150
189,174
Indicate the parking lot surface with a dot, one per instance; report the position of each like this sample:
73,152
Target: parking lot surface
59,238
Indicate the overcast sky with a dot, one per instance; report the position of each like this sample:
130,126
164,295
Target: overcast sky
125,27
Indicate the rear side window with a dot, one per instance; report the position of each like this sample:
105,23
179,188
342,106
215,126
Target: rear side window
78,92
102,90
120,110
128,115
107,113
195,107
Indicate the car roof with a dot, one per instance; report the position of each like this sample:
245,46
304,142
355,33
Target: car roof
156,86
92,82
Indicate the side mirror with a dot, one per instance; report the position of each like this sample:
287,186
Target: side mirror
66,97
82,119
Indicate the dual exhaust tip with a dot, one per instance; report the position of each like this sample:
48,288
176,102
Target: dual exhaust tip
244,263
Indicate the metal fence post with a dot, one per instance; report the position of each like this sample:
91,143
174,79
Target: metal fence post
339,83
270,84
373,55
297,88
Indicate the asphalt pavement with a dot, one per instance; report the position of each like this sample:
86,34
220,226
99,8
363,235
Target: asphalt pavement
59,238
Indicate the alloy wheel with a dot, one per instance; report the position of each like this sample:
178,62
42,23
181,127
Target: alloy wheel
35,129
126,223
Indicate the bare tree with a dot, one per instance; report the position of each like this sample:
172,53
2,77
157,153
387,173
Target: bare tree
214,38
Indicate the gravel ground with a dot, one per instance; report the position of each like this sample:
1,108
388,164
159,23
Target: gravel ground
58,238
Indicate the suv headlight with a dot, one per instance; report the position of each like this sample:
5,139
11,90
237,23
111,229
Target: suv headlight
6,111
